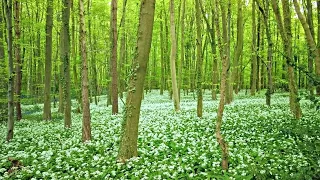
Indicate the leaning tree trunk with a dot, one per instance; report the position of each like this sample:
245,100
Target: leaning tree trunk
86,128
48,64
310,41
129,136
173,56
8,10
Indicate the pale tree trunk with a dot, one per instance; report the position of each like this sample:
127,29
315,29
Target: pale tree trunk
162,56
66,62
285,31
199,60
48,64
182,44
8,10
223,53
114,46
239,48
310,41
86,128
129,136
173,56
254,52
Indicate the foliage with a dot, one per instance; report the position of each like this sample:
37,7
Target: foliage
264,142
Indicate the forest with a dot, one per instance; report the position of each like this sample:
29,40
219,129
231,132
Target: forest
160,89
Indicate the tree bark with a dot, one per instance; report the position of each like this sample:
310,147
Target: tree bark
285,31
66,62
48,64
310,40
199,60
223,53
114,46
129,136
8,10
86,128
254,52
173,56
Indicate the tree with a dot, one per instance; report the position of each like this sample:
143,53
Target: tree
8,10
48,64
122,50
310,40
129,136
65,56
3,73
285,31
254,52
173,56
114,47
224,57
199,60
86,128
17,57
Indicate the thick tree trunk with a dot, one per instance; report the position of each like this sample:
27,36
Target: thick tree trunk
48,64
66,62
114,46
8,10
86,128
199,60
129,136
173,56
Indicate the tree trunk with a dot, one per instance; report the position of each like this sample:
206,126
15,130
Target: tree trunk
3,73
48,64
66,62
86,128
199,60
114,46
173,56
310,40
254,52
8,10
122,50
129,137
182,44
239,48
223,53
285,31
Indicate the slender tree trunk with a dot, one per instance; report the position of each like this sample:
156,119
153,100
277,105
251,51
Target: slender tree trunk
223,53
285,31
239,48
129,137
254,52
162,83
122,50
199,60
173,56
86,128
182,44
3,72
310,54
114,80
8,10
48,64
66,62
310,40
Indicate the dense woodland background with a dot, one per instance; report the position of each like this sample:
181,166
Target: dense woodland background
56,51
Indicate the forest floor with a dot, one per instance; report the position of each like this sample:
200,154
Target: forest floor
264,142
